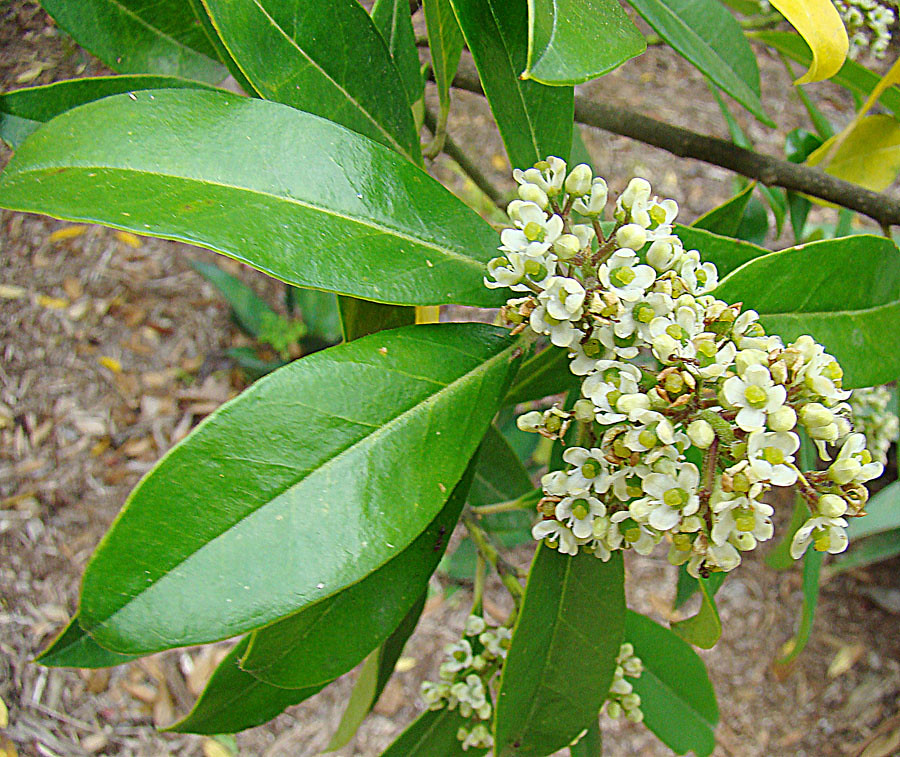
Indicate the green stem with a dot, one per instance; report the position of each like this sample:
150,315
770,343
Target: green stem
506,571
478,591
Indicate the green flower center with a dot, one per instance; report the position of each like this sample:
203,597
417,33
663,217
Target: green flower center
625,341
620,449
580,509
821,540
612,397
534,232
773,455
553,424
632,535
621,276
756,396
745,522
676,497
674,384
657,216
592,347
682,542
535,269
591,468
648,438
644,313
675,331
833,371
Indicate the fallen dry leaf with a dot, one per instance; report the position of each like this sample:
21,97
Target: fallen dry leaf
52,303
7,748
4,714
10,292
847,656
110,362
68,232
126,237
213,748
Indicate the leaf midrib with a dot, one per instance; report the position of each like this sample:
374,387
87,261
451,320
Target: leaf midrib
159,32
379,228
427,402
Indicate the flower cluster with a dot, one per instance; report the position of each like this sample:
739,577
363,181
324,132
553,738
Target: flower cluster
868,25
622,698
873,418
689,410
465,675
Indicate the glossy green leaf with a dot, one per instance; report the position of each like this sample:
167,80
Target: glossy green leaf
572,41
320,313
779,556
22,111
333,64
234,700
726,218
221,52
852,75
361,317
432,734
687,585
374,676
548,695
875,548
812,568
677,699
335,211
703,629
727,253
754,223
323,471
851,321
393,21
882,513
248,308
535,120
73,648
500,475
325,640
543,374
141,36
589,745
707,35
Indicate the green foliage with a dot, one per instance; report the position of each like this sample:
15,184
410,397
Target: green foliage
705,628
570,603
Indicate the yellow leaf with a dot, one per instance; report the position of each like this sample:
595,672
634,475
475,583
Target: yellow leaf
110,362
54,303
405,663
4,715
428,313
68,232
7,748
213,748
868,156
11,292
820,25
126,237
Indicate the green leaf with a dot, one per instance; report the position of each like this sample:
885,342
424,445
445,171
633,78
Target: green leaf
677,699
500,475
535,120
875,548
361,317
544,374
549,692
589,745
779,556
325,640
812,568
141,36
883,513
445,41
432,734
855,77
687,585
251,363
572,41
726,218
851,321
707,35
754,225
703,629
22,111
234,700
335,211
320,485
392,19
73,648
335,64
320,313
727,253
221,52
374,676
248,308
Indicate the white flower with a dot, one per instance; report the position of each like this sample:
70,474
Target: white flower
736,513
828,535
474,625
555,483
549,175
633,202
586,355
756,394
578,511
672,335
590,471
496,641
723,556
637,536
625,276
698,278
771,454
611,380
479,737
854,463
593,205
557,534
668,497
508,271
563,297
434,694
459,656
561,332
622,347
471,696
534,232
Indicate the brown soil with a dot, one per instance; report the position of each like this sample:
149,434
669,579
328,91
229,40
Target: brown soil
113,350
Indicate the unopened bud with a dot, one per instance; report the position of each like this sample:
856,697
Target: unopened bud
567,247
578,182
816,414
831,506
632,236
844,470
701,434
628,403
827,433
584,411
745,358
662,254
533,193
530,421
782,419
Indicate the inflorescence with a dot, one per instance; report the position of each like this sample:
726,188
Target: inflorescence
689,410
869,24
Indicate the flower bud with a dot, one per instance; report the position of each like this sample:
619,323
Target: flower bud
816,414
533,193
637,191
827,433
584,411
530,421
578,182
632,236
628,403
593,206
782,419
745,358
662,254
692,524
701,434
831,506
567,246
613,709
